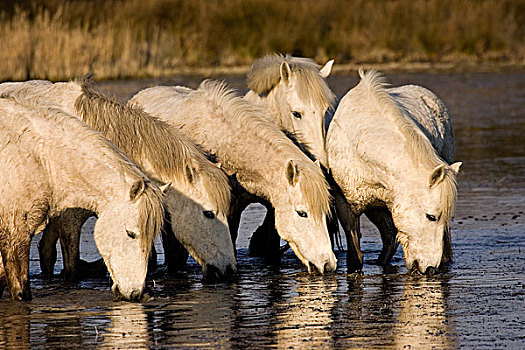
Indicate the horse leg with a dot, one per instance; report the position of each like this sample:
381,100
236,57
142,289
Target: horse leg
175,255
69,227
265,242
447,247
381,217
333,228
234,220
350,222
152,259
47,248
14,247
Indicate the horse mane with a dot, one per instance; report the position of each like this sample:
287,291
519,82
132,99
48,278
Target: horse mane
265,75
147,139
255,119
419,148
151,211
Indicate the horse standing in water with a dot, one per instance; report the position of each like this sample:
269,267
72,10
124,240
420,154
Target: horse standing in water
384,147
196,202
51,161
262,160
296,94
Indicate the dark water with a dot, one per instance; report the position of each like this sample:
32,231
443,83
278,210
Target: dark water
478,302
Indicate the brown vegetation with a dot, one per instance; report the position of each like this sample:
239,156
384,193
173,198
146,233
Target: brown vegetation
129,38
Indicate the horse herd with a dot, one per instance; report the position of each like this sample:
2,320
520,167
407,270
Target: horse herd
187,162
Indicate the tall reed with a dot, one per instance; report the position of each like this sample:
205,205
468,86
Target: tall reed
130,38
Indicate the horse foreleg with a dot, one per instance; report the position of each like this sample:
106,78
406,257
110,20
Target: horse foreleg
47,248
14,247
350,222
69,227
382,219
447,247
265,242
175,255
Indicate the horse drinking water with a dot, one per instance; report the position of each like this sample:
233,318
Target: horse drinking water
253,151
51,161
297,97
384,148
198,198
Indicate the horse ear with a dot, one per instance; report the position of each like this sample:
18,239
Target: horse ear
325,71
292,173
437,175
164,188
137,189
455,167
285,71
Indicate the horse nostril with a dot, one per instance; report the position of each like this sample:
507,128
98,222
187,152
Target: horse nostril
327,267
430,270
212,273
311,267
136,296
415,267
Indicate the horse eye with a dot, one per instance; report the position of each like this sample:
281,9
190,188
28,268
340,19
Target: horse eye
297,115
302,214
431,217
131,235
209,214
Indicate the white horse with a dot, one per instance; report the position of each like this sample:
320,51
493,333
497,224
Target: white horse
51,161
199,197
297,97
381,153
250,148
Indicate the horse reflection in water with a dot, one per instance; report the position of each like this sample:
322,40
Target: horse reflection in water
423,320
128,328
15,325
306,319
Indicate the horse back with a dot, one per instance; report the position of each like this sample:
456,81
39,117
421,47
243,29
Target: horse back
429,113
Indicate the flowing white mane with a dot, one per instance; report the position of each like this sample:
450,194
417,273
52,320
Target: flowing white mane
145,137
247,117
418,147
265,75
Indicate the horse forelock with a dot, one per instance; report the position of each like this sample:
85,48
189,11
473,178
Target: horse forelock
265,75
315,189
255,119
147,139
417,145
151,215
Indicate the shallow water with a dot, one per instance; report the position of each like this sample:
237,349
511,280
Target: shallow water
477,302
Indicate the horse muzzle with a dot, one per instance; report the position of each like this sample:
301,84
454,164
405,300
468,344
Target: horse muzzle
213,274
133,296
417,267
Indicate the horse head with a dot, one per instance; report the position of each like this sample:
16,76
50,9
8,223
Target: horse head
422,216
300,219
198,219
124,233
299,98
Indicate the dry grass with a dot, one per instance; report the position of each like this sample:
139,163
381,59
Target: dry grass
58,40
